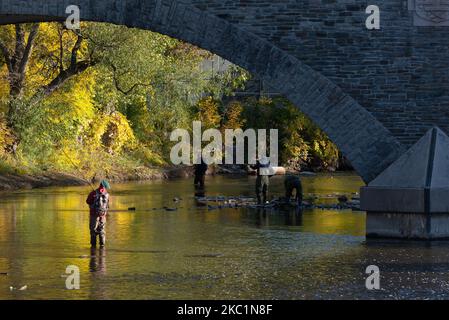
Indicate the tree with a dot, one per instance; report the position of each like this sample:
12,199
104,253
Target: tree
18,57
233,118
208,114
105,96
18,51
301,142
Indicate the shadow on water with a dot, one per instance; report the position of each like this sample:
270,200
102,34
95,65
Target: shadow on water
279,217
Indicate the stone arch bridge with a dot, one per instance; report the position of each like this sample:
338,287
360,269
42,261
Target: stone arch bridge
374,92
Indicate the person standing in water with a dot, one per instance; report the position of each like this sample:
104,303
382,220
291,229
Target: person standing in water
98,201
291,183
263,180
200,174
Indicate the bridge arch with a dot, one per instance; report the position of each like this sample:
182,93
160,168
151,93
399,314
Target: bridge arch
367,144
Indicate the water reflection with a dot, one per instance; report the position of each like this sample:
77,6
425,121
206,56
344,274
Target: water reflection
97,262
200,192
278,217
199,253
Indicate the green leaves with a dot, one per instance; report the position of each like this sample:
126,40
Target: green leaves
138,88
302,143
123,91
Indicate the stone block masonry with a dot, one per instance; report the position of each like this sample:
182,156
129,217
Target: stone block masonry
374,92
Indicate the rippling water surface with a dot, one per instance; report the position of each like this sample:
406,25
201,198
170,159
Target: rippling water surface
196,253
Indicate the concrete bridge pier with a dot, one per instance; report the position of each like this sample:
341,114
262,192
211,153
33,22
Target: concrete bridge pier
410,199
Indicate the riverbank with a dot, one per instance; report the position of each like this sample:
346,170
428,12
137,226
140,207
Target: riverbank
11,182
16,181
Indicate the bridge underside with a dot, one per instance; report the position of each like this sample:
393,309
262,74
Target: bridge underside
12,19
367,144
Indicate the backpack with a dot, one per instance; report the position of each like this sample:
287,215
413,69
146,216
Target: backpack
101,203
267,170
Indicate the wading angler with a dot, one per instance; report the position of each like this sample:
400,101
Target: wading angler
234,146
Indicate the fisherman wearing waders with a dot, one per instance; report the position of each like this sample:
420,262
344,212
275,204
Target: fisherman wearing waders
293,183
98,201
263,179
200,174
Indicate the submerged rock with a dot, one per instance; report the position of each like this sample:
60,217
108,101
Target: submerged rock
221,202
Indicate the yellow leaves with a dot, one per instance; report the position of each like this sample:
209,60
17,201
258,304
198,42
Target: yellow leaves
81,120
208,113
265,101
119,133
326,151
234,119
4,90
66,156
111,132
148,156
5,136
74,103
52,51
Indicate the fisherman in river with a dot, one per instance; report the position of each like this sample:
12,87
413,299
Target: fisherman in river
291,183
200,174
263,179
98,201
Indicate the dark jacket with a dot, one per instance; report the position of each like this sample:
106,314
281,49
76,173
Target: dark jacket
201,169
91,199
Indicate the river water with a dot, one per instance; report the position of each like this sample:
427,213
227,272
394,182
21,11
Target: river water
197,253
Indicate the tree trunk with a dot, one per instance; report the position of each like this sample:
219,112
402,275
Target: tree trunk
17,60
17,63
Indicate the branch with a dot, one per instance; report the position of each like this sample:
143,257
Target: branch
4,50
65,75
20,46
123,91
75,49
61,50
27,51
76,67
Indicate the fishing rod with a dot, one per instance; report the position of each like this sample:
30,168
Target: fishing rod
69,158
131,209
78,169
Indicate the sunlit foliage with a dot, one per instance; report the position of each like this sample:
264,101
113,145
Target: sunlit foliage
100,100
103,101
